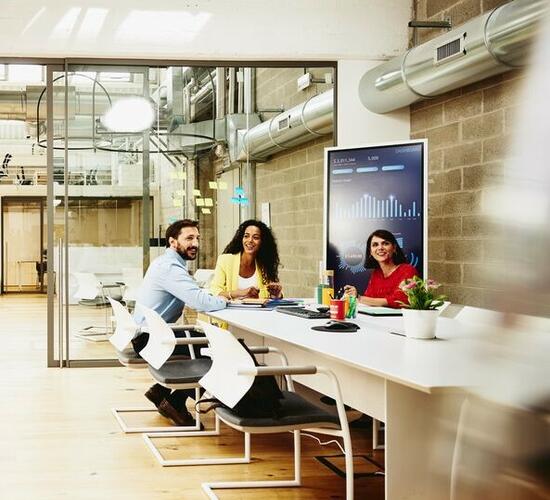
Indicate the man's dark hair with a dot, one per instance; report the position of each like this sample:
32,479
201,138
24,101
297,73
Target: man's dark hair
268,254
398,257
174,229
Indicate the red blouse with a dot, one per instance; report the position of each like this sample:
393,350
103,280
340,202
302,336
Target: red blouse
388,288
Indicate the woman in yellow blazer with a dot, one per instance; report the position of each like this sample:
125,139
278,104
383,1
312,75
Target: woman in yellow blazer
249,265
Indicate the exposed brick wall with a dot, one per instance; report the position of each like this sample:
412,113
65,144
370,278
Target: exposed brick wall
468,131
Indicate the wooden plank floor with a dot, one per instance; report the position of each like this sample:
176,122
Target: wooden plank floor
60,440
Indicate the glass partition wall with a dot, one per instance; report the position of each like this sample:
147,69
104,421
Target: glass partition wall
131,149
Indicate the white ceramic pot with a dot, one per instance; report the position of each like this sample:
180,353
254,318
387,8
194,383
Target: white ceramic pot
420,324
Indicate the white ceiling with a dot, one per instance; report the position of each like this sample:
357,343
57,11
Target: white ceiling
205,29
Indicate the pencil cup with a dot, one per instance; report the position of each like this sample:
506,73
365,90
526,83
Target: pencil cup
337,309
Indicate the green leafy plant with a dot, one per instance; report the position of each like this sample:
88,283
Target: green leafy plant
421,294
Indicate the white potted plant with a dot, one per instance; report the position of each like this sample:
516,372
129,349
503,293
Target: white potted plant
420,313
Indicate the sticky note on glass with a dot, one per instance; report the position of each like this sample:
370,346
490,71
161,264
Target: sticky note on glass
196,192
199,202
205,210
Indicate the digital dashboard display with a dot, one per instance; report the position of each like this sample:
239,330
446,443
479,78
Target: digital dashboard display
369,188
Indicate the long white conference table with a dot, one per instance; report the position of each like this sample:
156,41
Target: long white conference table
414,386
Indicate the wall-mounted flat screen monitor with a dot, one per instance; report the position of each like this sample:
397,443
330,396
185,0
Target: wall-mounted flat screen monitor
374,187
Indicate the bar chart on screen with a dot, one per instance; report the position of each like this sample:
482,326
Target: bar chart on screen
370,207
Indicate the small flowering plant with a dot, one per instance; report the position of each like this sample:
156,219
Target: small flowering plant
421,294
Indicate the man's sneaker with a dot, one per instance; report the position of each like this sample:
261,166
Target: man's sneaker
157,393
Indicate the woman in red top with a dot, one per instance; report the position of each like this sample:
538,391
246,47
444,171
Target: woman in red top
390,269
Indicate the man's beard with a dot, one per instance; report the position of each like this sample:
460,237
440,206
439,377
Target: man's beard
185,255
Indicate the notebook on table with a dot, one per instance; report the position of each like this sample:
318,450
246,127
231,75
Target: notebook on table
378,311
260,303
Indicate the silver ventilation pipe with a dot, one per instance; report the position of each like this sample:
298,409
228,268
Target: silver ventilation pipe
302,123
487,45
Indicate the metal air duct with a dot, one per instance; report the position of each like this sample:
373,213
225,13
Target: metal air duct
492,43
302,123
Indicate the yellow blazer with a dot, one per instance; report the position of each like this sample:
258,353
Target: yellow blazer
226,275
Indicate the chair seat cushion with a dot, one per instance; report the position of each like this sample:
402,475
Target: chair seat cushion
295,410
129,357
186,371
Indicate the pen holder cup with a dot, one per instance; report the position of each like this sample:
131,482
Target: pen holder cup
337,309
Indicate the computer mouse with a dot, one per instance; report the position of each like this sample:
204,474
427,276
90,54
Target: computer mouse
322,309
340,325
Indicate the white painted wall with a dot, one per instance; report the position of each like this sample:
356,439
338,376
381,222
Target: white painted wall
205,29
356,124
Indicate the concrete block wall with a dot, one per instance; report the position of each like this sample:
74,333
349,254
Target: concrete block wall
207,222
292,182
468,130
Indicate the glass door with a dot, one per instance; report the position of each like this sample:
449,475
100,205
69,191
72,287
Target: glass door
101,210
130,150
24,255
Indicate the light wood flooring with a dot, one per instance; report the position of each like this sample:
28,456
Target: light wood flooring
60,440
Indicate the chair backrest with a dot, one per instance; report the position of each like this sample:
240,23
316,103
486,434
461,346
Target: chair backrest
228,356
204,277
126,327
88,286
162,339
132,278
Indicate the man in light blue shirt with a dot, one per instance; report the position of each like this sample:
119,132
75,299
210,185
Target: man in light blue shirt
167,287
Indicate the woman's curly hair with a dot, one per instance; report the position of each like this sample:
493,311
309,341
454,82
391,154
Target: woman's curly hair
268,255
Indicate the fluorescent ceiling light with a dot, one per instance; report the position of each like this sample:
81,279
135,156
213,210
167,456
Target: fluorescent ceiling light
64,29
91,25
129,114
178,26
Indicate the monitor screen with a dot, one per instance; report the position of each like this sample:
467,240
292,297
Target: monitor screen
369,188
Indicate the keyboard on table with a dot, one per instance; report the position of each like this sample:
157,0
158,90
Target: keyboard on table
302,312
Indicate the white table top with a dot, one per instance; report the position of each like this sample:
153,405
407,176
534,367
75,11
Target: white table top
447,362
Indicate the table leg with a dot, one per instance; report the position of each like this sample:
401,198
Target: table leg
420,440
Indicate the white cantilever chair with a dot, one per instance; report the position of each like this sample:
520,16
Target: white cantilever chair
232,374
92,292
185,375
132,278
126,329
180,374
